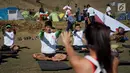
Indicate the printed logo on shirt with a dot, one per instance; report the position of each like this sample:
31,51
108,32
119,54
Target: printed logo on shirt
53,37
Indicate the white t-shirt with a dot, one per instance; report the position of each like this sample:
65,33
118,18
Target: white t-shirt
78,38
9,38
91,11
108,10
48,43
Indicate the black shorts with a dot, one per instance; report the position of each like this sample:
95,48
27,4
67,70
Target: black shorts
79,47
6,48
50,55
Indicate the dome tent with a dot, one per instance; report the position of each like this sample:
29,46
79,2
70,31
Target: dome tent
10,13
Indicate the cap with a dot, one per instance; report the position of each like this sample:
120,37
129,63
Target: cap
8,26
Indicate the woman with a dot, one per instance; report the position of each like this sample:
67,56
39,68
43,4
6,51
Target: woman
100,59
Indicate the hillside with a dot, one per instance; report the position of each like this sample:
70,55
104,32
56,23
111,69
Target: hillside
50,4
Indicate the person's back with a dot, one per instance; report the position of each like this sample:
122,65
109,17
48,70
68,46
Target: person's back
70,22
71,19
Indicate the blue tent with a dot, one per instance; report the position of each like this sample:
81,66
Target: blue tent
5,12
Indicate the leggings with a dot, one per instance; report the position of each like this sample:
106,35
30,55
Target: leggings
69,26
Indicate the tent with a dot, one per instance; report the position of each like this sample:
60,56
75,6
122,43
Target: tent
25,14
54,17
10,13
107,20
61,15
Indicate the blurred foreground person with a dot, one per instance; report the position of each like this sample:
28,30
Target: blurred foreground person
100,59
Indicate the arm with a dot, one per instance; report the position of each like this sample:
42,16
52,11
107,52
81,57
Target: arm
41,34
57,34
3,31
73,57
84,40
80,65
14,31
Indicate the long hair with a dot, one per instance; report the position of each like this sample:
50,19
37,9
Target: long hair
98,37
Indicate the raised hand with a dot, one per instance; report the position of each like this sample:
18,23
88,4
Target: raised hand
66,38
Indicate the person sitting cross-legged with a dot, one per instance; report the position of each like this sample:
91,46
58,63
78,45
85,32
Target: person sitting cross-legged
48,44
9,36
79,41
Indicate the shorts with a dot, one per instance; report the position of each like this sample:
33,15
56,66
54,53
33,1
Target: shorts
6,48
79,47
115,54
50,55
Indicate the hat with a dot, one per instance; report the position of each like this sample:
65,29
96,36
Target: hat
8,26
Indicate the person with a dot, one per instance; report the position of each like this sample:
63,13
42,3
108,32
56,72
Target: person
70,22
9,35
58,47
67,9
85,11
79,41
91,14
108,10
100,58
119,35
78,15
43,13
85,15
48,44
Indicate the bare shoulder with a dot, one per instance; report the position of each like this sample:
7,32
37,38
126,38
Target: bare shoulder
85,66
86,63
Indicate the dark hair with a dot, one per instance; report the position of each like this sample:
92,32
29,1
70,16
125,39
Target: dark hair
84,6
98,37
108,4
41,10
76,5
48,23
53,28
88,5
121,28
77,25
